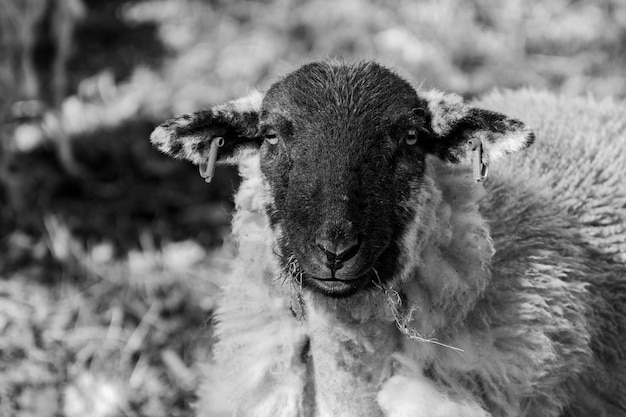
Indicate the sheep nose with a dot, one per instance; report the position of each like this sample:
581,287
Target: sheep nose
338,251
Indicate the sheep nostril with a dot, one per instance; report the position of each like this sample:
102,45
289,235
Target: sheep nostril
338,251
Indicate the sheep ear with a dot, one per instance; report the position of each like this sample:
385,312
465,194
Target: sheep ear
189,136
456,129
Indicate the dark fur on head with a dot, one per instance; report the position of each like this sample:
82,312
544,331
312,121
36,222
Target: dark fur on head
342,167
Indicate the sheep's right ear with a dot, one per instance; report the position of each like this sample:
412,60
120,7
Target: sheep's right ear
189,136
456,129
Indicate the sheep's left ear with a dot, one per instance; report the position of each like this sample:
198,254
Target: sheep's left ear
456,129
190,136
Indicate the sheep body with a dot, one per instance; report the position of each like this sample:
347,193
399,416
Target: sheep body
580,161
513,303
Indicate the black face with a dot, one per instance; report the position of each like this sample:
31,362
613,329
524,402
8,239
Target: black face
342,156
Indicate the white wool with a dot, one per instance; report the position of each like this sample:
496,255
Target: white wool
448,246
258,368
352,353
419,397
509,143
445,109
249,102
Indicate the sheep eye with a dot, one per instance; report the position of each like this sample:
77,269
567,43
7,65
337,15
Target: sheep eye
271,136
411,137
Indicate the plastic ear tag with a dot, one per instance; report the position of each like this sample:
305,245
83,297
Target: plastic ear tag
207,168
480,162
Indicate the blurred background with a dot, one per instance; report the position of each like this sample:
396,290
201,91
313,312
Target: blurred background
110,253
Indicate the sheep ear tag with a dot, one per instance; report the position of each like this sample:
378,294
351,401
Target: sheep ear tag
480,160
207,167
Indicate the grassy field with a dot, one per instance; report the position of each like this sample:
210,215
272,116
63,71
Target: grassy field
109,269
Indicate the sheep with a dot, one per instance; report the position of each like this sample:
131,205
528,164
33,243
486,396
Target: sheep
378,273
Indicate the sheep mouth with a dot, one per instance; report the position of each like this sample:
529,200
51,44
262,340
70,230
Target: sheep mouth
339,288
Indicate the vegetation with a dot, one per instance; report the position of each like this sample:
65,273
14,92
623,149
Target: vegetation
110,254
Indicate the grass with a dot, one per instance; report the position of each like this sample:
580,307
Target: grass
109,273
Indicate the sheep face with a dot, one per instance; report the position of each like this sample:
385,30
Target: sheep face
343,152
